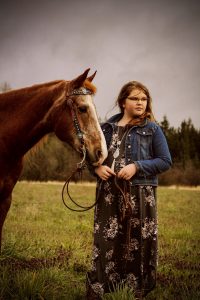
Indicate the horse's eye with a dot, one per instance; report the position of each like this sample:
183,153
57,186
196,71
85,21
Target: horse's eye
82,109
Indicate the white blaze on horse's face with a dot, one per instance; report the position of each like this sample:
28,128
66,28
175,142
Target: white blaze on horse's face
92,133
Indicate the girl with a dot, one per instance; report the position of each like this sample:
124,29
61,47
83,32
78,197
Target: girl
125,226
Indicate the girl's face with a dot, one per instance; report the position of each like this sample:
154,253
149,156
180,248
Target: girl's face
135,104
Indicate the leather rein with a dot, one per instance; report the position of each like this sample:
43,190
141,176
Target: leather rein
82,164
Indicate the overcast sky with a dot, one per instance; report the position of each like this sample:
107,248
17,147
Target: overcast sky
155,42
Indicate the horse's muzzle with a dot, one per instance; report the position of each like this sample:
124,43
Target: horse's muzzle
98,158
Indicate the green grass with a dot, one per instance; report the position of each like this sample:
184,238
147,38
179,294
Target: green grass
47,248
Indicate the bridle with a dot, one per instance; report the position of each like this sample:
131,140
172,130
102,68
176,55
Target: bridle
79,133
82,164
70,102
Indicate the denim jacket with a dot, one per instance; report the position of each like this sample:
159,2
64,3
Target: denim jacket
146,147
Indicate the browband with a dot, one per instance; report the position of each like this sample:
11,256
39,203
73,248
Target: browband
81,91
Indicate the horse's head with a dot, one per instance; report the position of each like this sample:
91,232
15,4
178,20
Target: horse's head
77,122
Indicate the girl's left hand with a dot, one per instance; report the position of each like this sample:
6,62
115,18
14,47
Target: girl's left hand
127,172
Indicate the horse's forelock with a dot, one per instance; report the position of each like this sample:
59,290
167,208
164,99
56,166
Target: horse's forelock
87,84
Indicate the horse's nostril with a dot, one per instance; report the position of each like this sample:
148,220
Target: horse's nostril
98,154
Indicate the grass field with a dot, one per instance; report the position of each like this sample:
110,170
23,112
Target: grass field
47,248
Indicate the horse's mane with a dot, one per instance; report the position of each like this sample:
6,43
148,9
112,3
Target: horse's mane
11,100
28,89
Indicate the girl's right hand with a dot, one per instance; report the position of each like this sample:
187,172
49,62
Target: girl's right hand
104,172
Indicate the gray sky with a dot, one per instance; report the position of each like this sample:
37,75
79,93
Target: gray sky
155,42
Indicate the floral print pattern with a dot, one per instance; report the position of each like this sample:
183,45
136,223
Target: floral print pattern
109,254
149,229
111,230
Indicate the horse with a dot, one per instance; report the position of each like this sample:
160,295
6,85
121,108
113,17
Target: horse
27,115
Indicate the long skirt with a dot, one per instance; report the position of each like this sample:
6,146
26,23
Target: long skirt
125,247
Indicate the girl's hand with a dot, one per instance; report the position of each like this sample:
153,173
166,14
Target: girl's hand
127,172
104,172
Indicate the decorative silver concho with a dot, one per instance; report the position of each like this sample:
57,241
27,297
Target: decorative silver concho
81,91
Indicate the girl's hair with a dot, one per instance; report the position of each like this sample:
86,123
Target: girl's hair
125,92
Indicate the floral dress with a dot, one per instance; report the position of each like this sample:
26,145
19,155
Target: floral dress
125,240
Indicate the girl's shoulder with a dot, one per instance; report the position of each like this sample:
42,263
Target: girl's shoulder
152,125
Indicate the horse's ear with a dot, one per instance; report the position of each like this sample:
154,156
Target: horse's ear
77,82
91,77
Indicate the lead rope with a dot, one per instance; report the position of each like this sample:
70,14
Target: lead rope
127,210
127,206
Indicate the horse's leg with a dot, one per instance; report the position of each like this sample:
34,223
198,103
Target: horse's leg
6,186
4,208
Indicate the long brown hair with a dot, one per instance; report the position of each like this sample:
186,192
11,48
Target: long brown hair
125,92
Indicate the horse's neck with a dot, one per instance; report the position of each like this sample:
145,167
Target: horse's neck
25,117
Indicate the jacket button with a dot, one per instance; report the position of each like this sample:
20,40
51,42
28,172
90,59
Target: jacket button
129,146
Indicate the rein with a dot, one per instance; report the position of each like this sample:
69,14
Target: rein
80,166
127,206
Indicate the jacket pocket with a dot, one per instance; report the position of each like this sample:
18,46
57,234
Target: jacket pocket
144,143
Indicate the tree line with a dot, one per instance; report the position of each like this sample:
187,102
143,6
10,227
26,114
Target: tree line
184,145
54,160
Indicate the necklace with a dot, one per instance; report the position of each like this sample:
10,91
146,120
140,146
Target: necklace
117,143
116,153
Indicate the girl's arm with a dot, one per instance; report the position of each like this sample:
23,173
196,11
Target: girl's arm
161,160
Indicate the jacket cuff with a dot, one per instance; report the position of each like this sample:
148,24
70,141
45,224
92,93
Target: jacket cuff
139,169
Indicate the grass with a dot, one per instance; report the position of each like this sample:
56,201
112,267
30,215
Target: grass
47,248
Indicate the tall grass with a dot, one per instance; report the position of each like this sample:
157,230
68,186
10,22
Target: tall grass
47,248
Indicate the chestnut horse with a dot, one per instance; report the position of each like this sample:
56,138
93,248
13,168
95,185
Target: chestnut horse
27,115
